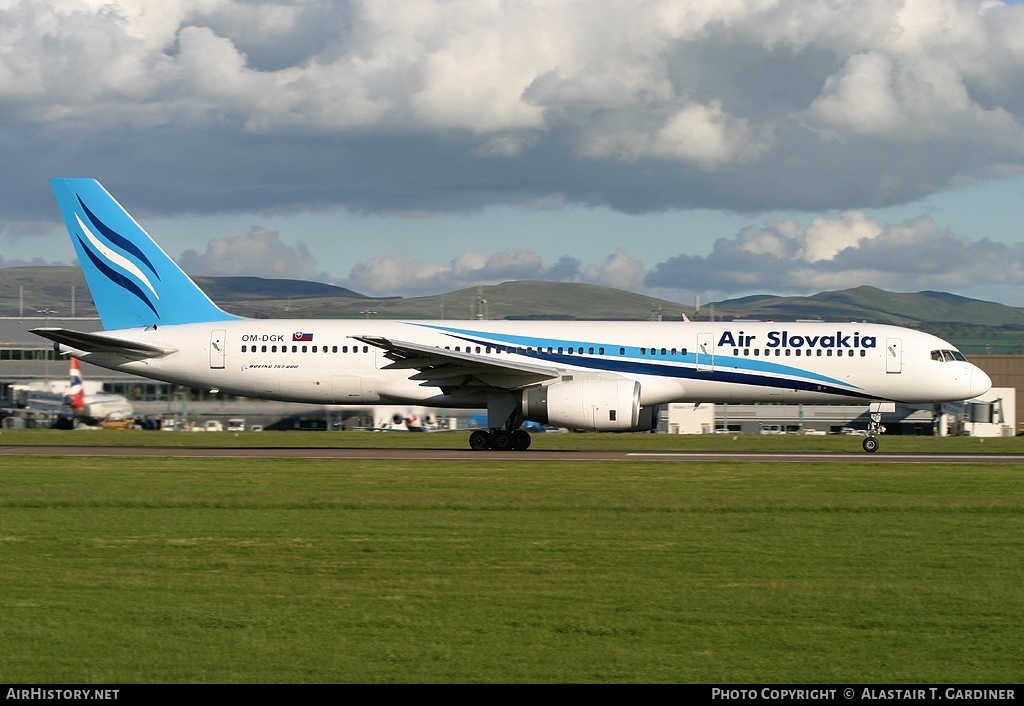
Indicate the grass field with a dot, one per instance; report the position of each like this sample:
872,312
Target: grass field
123,570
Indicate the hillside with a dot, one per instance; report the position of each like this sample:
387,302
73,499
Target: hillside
973,325
873,304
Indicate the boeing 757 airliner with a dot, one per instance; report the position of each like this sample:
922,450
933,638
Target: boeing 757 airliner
606,376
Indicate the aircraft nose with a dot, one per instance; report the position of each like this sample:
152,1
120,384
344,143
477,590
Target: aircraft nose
980,382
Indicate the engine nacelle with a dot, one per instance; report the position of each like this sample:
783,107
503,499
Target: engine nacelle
600,405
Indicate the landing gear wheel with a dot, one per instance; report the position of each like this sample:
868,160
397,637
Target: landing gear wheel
870,444
480,440
520,440
502,440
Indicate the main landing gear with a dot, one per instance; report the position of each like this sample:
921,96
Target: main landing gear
875,428
499,440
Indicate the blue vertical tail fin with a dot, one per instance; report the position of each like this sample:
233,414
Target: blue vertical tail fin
133,282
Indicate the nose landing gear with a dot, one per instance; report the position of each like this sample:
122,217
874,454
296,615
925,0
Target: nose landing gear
875,428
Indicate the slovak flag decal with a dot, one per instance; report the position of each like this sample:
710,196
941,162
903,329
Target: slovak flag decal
300,336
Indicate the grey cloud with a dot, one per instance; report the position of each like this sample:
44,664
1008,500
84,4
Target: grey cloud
382,106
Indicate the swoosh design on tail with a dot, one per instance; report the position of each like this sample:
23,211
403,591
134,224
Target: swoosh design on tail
116,277
116,238
116,258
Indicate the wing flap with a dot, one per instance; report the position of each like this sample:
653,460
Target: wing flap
441,367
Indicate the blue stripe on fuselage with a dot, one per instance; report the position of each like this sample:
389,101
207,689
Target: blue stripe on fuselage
758,372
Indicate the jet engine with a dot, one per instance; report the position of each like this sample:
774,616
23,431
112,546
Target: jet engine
599,405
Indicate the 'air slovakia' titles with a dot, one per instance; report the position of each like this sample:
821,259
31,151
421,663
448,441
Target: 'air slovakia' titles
783,339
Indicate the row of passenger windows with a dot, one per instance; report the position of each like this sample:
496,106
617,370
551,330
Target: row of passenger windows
302,349
571,350
579,350
779,352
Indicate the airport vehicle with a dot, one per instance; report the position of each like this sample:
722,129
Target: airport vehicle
606,376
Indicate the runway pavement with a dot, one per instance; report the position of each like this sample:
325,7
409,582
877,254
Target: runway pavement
488,456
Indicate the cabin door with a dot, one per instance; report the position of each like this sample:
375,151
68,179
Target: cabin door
705,352
893,355
217,339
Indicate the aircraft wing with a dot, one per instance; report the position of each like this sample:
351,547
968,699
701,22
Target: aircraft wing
450,370
101,343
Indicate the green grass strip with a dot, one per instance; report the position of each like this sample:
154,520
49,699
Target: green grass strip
207,570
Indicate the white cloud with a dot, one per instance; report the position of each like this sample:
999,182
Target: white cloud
839,253
258,253
397,273
619,270
786,257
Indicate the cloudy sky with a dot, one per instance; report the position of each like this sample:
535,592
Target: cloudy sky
677,147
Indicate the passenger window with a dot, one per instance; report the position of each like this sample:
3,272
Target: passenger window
622,351
590,350
273,349
643,351
600,351
264,349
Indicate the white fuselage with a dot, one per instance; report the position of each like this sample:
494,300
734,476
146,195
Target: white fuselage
319,361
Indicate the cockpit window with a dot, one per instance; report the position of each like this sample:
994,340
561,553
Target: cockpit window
947,356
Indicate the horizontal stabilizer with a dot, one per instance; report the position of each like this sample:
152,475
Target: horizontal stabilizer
101,343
